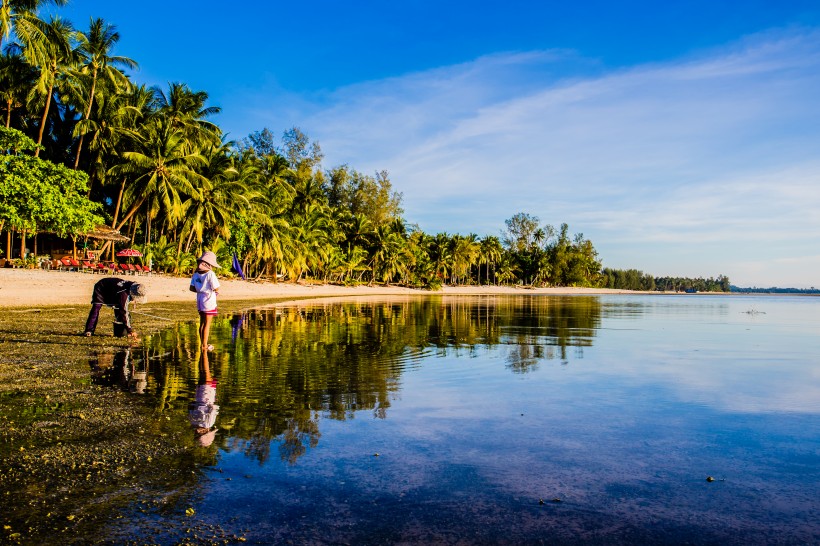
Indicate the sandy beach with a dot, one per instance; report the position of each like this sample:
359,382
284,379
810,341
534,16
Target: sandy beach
28,287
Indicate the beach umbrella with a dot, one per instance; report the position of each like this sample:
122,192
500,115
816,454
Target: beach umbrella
129,253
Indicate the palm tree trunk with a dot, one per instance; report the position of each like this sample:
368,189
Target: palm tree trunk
8,114
77,157
43,120
134,208
87,115
119,202
179,254
190,240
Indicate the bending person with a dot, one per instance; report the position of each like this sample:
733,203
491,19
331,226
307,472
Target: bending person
116,293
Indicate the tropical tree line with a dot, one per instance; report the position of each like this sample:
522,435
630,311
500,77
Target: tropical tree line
151,163
633,279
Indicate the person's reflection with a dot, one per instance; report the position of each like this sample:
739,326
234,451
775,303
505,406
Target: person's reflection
139,374
111,370
202,411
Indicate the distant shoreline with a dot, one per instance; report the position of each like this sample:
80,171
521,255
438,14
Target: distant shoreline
36,287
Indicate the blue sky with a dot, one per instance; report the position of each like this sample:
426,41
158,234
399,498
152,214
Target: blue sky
681,138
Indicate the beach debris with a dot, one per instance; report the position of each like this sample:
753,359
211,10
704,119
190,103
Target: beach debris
190,512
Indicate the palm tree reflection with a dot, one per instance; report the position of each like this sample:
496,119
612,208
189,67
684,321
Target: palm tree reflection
289,367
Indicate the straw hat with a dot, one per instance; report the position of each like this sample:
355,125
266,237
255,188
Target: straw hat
209,258
137,290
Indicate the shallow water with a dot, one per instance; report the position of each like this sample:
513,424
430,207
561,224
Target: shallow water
512,420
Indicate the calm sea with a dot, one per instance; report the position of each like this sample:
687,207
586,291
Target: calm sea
495,420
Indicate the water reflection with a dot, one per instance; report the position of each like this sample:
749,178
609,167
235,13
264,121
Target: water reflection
203,409
281,370
480,407
120,369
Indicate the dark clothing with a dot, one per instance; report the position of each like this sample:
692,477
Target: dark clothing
115,293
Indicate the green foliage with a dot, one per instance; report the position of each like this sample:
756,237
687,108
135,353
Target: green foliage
536,256
12,141
632,279
626,279
371,197
36,194
521,230
685,284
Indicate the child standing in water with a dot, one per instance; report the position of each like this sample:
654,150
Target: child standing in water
206,286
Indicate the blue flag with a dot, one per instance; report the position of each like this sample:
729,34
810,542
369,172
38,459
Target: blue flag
237,267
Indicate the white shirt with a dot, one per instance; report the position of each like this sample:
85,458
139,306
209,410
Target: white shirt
205,285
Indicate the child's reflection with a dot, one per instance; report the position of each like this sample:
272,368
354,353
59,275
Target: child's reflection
202,411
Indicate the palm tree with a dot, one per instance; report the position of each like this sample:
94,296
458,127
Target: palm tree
390,254
220,200
353,260
358,230
311,244
440,255
95,48
16,78
50,51
507,270
465,253
115,116
491,251
161,167
307,192
187,112
118,121
20,16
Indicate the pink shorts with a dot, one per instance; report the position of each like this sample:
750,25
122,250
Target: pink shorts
212,312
